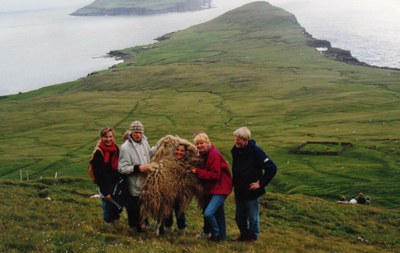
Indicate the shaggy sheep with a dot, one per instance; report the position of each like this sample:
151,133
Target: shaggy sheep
170,181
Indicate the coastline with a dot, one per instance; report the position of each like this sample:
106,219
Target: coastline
96,9
331,52
334,53
323,46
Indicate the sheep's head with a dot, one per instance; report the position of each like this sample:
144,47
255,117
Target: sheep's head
165,147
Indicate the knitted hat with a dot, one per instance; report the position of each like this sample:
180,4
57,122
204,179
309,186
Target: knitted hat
136,126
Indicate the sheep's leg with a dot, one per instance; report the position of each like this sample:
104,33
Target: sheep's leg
158,226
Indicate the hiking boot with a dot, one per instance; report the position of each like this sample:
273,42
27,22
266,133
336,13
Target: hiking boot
182,231
251,239
216,239
204,235
242,238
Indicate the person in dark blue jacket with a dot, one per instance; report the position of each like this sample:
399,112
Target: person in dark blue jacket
252,170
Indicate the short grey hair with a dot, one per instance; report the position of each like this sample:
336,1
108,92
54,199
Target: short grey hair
243,132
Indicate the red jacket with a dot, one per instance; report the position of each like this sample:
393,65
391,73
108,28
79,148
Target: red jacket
215,173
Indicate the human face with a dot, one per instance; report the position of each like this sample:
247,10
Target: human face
202,146
108,139
180,152
137,136
241,142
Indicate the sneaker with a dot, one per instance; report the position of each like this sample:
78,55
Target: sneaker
109,224
115,223
204,235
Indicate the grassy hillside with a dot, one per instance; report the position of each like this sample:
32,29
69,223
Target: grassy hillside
58,216
139,7
249,67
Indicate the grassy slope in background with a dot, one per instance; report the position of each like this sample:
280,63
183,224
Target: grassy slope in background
248,67
138,7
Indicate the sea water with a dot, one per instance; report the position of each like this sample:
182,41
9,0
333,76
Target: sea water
369,29
41,44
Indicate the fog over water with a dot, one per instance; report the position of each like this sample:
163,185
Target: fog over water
41,44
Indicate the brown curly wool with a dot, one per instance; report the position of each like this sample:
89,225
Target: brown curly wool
171,181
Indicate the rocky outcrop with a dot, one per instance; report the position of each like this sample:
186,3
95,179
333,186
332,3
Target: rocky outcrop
334,53
165,36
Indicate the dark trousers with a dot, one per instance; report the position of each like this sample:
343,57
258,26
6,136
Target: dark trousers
132,205
110,211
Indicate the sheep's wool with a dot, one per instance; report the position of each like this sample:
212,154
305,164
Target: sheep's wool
170,182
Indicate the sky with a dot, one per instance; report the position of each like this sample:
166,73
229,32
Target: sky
21,5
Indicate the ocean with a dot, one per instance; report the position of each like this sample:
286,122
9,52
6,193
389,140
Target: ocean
41,44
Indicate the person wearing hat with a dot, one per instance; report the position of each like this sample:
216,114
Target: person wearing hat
134,159
252,170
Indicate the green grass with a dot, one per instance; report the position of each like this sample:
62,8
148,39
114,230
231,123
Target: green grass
216,77
248,67
51,215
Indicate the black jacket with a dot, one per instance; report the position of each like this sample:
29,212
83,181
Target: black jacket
250,165
105,176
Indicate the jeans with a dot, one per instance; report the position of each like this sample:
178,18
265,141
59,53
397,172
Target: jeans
180,220
214,216
110,211
247,218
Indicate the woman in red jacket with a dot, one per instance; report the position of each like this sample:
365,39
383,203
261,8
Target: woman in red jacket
215,173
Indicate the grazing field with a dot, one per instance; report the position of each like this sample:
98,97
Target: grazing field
249,67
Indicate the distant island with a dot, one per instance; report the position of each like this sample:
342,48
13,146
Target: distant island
140,7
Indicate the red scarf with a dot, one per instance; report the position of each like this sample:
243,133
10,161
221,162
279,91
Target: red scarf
107,150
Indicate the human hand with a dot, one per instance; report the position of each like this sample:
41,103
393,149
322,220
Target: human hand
255,185
107,197
144,167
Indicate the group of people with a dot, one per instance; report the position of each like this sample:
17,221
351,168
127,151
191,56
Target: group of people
361,199
251,172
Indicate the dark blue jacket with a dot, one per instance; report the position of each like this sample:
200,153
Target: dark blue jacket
250,165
